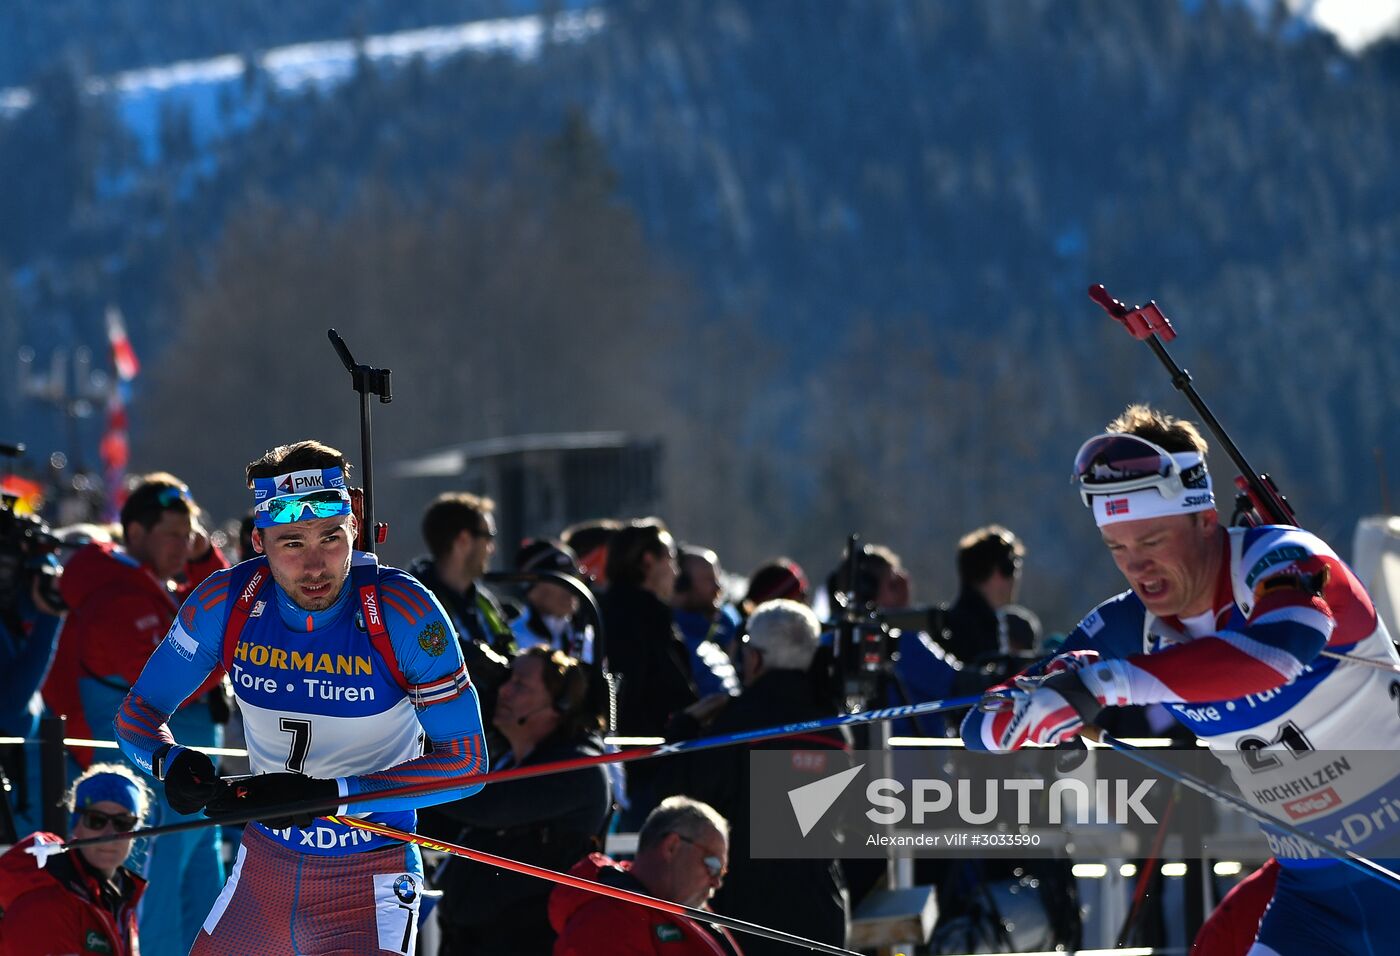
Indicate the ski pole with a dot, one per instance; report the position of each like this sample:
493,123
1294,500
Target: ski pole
1148,324
1354,860
567,879
322,807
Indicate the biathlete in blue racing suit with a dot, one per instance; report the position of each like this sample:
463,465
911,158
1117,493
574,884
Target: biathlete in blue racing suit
350,680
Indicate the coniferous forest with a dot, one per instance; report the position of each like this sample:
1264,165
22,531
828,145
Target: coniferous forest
834,254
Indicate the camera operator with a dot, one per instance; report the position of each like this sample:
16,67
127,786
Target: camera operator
924,669
30,610
122,601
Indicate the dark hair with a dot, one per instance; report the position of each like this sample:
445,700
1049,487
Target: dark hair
631,543
452,513
988,549
588,536
156,494
245,538
566,680
778,578
873,562
589,539
298,456
687,554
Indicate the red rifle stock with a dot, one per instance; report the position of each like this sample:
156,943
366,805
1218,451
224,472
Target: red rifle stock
1148,324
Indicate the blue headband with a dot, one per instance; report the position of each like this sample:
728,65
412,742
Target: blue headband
104,788
297,482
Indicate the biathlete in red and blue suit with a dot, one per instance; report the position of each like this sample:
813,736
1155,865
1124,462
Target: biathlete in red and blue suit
1262,642
343,690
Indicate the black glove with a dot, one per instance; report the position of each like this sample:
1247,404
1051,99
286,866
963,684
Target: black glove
189,777
272,791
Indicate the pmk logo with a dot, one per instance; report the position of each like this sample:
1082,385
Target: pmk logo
307,482
371,605
1312,804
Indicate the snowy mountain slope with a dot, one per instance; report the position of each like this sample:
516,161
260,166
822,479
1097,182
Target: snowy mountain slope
210,89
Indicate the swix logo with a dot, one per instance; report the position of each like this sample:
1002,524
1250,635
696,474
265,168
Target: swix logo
1313,803
1116,506
250,589
370,601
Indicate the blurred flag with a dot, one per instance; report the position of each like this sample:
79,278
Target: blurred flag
114,450
123,355
29,495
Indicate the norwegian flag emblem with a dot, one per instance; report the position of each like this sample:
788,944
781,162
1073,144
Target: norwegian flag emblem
1116,506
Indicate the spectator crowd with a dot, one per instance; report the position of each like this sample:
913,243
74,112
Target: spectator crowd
677,649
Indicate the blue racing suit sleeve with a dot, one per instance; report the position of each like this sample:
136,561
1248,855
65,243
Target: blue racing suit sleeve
180,664
427,653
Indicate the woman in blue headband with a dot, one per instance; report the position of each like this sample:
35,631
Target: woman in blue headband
82,901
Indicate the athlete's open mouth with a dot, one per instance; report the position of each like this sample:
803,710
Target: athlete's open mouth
316,590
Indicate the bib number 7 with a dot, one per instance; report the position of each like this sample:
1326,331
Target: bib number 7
301,742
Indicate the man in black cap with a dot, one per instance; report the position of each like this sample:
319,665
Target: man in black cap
551,610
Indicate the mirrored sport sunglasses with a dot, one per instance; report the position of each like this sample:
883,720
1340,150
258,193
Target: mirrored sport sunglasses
97,820
329,503
713,864
168,496
1115,463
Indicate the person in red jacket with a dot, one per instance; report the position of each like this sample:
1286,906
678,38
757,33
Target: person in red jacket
682,853
122,602
84,900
